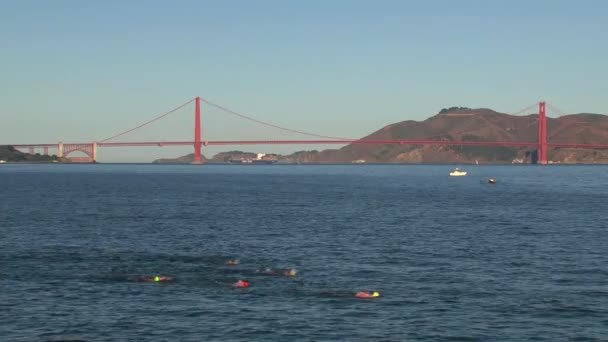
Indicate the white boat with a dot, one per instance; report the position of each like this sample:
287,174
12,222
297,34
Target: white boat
458,172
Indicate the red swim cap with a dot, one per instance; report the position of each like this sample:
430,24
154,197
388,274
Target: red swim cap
242,283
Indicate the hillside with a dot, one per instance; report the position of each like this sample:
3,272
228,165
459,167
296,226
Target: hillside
478,125
466,124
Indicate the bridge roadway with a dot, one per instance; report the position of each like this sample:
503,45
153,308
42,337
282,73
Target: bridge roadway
323,142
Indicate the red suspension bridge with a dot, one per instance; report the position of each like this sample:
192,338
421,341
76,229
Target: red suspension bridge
90,149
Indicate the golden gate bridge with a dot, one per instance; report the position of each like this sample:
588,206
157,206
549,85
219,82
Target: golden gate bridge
90,149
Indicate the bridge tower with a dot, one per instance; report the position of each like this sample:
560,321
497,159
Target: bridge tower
542,133
60,150
198,159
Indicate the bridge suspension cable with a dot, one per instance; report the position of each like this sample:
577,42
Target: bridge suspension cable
523,111
264,123
252,119
556,110
149,121
560,112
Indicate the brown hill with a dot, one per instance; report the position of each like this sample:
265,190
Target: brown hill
482,124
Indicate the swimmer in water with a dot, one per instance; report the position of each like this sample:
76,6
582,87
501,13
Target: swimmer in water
241,284
268,271
156,279
290,272
232,262
367,294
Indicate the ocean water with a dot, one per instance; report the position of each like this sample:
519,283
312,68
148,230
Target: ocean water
455,258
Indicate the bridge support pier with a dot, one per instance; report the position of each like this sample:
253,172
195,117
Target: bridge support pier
95,152
60,150
198,158
542,133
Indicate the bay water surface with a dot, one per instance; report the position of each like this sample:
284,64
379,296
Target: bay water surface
455,258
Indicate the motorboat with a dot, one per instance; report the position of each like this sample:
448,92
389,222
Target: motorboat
458,172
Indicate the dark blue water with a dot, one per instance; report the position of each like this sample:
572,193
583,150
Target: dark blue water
454,258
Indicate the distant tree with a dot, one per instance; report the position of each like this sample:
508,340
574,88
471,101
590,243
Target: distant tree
452,109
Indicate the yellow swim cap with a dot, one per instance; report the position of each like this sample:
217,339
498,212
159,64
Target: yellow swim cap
157,278
293,272
375,294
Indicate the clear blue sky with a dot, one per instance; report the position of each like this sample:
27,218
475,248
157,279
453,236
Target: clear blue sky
82,70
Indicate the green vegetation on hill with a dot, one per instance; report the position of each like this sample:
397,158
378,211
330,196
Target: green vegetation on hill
453,109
